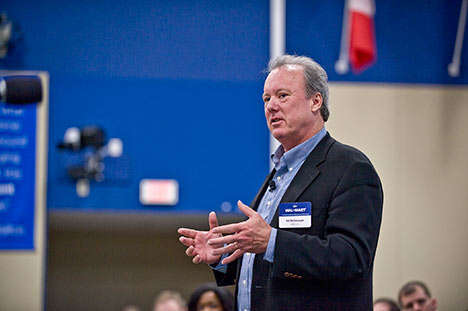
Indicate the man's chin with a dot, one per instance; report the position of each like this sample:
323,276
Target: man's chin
278,135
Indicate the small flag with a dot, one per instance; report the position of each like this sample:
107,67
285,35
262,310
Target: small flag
362,50
358,47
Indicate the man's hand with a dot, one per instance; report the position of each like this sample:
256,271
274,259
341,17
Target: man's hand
249,236
197,242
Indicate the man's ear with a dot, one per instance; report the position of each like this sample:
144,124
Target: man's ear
316,102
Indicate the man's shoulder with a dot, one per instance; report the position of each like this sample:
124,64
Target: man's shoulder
346,153
345,160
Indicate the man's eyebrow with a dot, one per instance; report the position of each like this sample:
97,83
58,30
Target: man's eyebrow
278,90
283,90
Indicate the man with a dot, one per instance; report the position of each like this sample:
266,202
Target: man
415,295
385,304
311,234
169,300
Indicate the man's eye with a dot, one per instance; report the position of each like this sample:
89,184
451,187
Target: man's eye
282,95
266,99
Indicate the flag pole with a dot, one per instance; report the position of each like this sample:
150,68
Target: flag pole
277,44
342,64
454,67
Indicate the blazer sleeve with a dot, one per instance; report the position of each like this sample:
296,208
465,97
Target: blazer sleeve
228,278
347,249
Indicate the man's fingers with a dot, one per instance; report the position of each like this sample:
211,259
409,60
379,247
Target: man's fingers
196,259
189,251
227,228
190,233
217,245
222,240
212,220
233,256
226,249
186,241
245,209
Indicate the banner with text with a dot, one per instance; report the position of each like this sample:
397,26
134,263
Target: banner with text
17,176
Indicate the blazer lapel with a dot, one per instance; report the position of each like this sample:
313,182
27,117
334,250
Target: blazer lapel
306,174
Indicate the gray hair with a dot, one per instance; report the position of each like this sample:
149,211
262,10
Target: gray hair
315,77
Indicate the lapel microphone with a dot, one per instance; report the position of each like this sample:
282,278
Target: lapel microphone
271,185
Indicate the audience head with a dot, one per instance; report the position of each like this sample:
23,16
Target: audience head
385,304
415,295
169,301
209,297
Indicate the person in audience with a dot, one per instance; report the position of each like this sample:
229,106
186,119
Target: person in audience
386,304
209,297
169,300
415,295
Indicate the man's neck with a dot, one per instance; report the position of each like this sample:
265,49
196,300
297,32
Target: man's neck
310,134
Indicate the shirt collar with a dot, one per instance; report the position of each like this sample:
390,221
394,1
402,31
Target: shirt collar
297,154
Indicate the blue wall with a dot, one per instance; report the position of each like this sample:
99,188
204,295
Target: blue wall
180,83
415,39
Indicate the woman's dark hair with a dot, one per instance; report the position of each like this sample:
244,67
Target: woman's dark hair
224,296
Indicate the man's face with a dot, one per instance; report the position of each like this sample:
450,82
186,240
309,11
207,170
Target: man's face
418,301
290,116
169,305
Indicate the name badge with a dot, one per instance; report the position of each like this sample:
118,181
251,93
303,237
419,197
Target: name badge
295,215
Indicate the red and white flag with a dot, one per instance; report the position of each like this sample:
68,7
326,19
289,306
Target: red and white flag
358,38
362,50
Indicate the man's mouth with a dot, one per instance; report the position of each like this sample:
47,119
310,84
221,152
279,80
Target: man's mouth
275,121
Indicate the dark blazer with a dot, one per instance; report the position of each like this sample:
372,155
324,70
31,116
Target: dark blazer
329,265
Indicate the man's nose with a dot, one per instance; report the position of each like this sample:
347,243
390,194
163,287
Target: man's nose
272,104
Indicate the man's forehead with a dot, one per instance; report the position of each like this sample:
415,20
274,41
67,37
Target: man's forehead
417,293
419,290
288,68
284,75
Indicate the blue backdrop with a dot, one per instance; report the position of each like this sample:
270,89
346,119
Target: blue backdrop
180,83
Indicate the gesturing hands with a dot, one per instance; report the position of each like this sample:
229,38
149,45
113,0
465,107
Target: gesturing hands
197,242
250,236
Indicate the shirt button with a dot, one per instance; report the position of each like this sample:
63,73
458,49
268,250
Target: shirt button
278,178
244,282
269,203
290,169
